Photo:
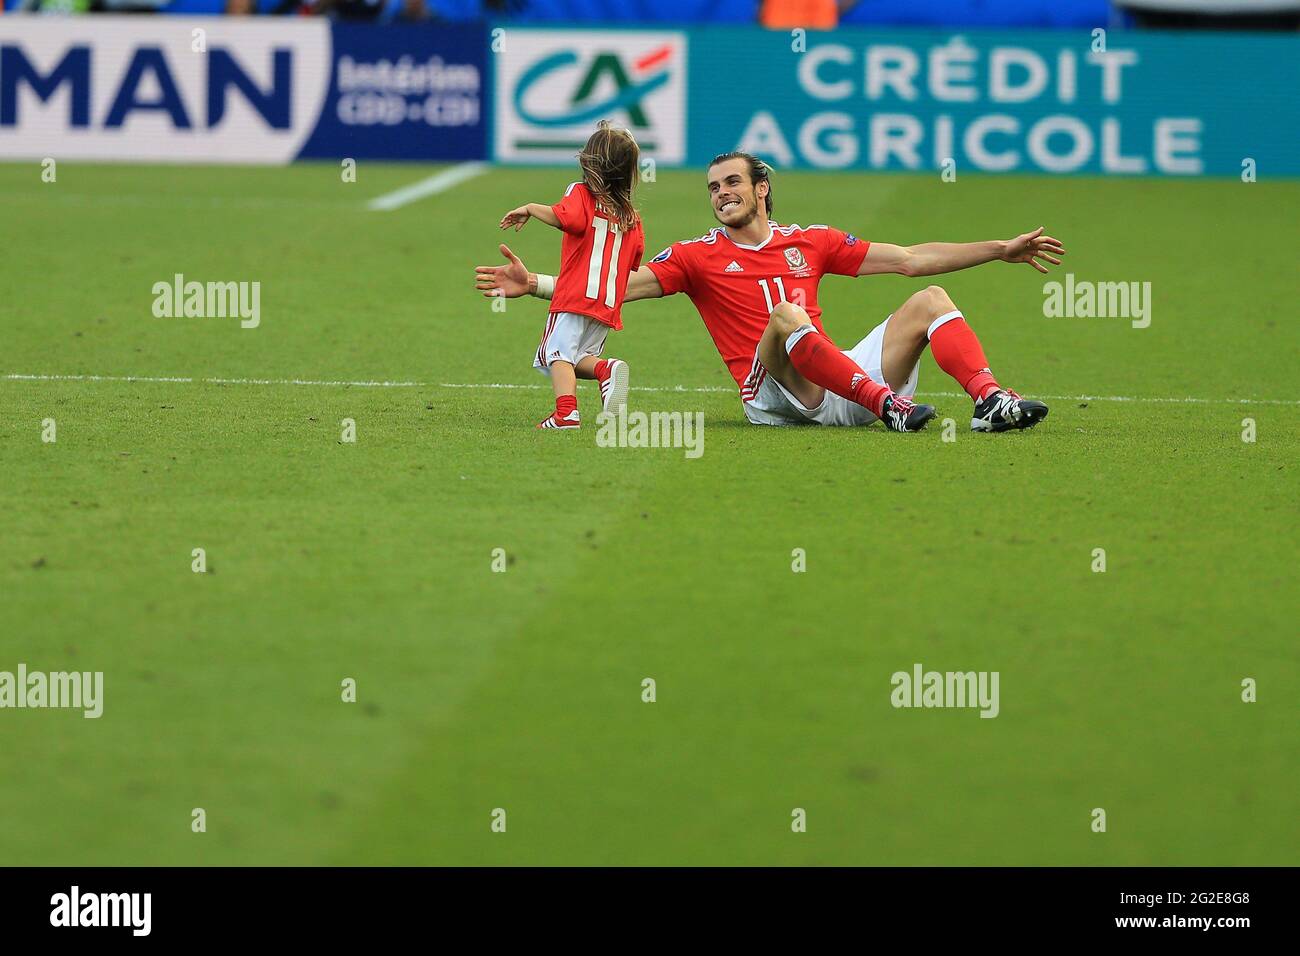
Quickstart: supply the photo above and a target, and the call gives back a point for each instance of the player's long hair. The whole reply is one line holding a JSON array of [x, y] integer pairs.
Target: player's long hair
[[609, 165], [759, 171]]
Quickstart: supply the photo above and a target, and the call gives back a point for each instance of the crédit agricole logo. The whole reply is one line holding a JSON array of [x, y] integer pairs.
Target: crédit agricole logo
[[552, 91]]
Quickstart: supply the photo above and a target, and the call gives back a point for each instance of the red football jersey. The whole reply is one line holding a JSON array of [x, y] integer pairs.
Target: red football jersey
[[596, 258], [735, 287]]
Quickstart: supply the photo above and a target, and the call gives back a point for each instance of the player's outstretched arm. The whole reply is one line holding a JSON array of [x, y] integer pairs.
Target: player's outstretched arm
[[643, 284], [936, 258], [1033, 247], [504, 281], [513, 280]]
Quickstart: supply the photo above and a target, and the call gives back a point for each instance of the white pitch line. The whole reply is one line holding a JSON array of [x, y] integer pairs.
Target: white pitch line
[[439, 182], [166, 379], [696, 389]]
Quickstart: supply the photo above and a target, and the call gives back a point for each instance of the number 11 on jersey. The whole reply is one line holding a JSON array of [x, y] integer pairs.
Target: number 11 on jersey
[[767, 294], [594, 278]]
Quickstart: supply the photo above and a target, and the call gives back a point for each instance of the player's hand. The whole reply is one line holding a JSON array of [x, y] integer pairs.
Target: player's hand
[[516, 218], [508, 281], [1032, 247]]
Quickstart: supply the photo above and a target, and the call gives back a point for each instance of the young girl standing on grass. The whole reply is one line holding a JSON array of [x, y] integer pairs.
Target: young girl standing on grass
[[602, 245]]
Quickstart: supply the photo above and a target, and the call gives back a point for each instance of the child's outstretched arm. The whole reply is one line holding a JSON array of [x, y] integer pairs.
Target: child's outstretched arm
[[535, 210]]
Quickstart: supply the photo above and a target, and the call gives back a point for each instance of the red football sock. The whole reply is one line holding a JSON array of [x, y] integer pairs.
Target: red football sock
[[816, 358], [601, 369], [959, 353], [564, 404]]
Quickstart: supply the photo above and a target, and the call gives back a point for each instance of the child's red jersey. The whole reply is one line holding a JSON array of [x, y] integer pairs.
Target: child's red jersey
[[596, 258]]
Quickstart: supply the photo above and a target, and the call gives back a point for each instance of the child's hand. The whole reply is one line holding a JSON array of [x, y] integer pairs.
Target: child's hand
[[516, 218]]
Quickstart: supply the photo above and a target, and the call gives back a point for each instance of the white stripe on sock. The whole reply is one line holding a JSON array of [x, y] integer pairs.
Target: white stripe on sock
[[793, 338], [946, 317]]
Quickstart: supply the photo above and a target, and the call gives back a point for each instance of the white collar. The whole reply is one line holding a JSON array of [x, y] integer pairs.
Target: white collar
[[740, 245]]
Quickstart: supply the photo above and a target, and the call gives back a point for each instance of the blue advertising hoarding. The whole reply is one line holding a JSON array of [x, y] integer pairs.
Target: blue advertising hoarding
[[418, 92], [1057, 102], [272, 90], [1045, 102]]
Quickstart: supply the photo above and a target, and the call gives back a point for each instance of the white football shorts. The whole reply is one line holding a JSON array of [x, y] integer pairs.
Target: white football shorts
[[569, 337], [767, 402]]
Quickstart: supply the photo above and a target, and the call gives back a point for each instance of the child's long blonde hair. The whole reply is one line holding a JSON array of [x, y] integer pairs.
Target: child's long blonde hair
[[609, 165]]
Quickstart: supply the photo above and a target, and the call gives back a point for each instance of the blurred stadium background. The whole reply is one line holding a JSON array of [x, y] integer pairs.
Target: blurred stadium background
[[822, 14]]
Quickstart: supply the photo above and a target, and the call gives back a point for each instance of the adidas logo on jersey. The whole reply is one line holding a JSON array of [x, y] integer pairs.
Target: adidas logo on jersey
[[734, 267]]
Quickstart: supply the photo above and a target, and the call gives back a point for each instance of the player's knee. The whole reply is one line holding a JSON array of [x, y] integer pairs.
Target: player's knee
[[787, 317], [933, 300], [939, 298]]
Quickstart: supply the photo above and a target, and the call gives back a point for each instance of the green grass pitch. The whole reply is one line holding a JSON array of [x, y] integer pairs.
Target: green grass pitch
[[523, 690]]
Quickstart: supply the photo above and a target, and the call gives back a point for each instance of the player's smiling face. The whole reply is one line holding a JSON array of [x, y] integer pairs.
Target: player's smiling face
[[735, 200]]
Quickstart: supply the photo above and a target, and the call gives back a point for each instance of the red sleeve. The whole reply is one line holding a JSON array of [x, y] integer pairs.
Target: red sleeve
[[672, 268], [575, 210], [640, 252], [843, 253]]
